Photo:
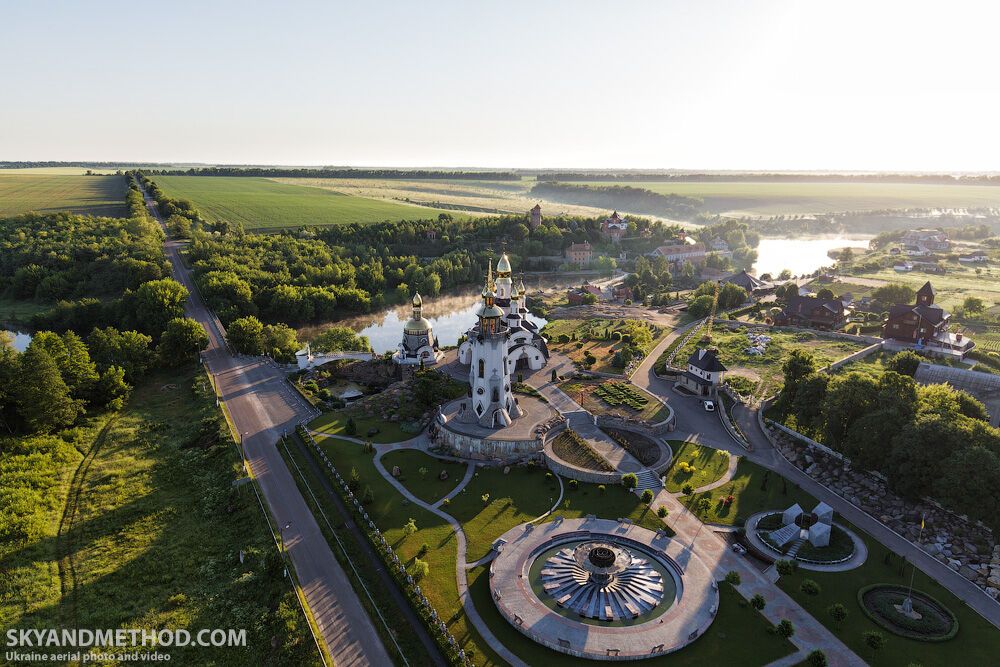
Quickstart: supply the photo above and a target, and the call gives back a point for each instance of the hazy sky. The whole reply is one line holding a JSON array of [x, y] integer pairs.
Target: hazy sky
[[699, 84]]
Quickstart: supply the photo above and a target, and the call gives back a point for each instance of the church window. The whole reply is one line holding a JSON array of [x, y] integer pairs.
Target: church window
[[479, 409], [482, 368], [496, 397], [480, 391]]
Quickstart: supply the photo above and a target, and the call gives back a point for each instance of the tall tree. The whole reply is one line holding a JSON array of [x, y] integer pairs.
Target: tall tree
[[157, 302], [181, 342], [43, 399]]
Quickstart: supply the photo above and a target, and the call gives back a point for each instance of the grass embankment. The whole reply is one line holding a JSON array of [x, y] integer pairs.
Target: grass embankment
[[335, 424], [733, 345], [737, 637], [151, 531], [425, 485], [48, 193], [390, 512], [709, 465], [261, 203], [588, 393], [977, 642]]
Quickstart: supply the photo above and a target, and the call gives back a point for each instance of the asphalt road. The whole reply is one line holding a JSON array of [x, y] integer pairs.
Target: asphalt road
[[263, 406]]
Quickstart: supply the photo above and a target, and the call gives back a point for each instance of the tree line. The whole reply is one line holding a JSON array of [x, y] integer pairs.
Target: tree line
[[768, 177], [623, 197], [335, 172], [928, 440]]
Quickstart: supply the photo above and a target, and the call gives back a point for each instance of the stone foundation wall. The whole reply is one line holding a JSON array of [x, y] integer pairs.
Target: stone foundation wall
[[965, 546], [471, 447]]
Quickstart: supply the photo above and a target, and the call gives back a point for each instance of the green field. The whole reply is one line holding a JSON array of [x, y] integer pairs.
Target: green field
[[48, 193], [131, 520], [766, 199], [261, 203], [951, 288]]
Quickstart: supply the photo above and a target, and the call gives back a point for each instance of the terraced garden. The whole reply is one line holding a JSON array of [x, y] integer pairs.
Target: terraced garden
[[618, 399]]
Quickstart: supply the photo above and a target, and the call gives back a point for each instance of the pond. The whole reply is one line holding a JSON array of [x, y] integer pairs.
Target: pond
[[801, 256], [450, 316], [20, 339]]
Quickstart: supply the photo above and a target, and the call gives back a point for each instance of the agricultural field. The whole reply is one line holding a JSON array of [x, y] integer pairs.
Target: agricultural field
[[263, 204], [767, 199], [733, 352], [474, 197], [48, 193], [989, 340]]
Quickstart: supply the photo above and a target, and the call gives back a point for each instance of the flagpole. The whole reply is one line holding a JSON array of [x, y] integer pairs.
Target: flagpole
[[908, 602]]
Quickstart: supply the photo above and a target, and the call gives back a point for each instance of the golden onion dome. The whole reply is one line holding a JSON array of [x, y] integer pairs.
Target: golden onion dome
[[416, 326], [417, 301], [503, 266]]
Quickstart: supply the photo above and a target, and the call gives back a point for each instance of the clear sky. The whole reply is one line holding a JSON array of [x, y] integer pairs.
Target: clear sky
[[696, 85]]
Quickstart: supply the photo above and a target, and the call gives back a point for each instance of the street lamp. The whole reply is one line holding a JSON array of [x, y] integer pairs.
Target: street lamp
[[281, 535]]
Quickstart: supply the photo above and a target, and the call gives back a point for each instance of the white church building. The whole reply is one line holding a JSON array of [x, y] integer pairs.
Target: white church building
[[419, 344], [526, 348]]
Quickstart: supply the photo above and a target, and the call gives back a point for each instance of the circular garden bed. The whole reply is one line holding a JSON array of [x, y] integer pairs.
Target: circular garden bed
[[936, 622], [840, 548]]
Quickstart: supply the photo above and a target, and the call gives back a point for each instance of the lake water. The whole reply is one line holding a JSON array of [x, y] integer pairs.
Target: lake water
[[800, 255], [21, 339], [450, 317]]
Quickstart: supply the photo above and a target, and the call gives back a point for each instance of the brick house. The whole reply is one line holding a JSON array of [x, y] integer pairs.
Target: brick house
[[580, 253]]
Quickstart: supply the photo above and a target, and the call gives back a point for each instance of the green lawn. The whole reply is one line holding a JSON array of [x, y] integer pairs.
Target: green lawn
[[261, 203], [738, 637], [977, 642], [148, 531], [366, 581], [425, 486], [747, 198], [733, 344], [753, 494], [390, 512], [48, 193], [334, 423], [710, 465]]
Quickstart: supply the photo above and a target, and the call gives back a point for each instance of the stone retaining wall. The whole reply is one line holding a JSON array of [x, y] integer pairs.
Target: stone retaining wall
[[966, 546]]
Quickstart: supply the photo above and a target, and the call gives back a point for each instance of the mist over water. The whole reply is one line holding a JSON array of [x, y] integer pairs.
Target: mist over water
[[800, 255]]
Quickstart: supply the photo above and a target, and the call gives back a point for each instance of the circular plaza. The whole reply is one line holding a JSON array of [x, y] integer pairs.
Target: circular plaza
[[602, 589]]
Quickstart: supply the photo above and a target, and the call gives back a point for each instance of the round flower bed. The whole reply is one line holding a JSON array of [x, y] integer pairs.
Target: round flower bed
[[840, 549], [936, 622]]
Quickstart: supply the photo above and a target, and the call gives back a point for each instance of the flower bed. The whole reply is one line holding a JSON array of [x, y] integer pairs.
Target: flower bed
[[573, 449], [621, 393], [936, 623]]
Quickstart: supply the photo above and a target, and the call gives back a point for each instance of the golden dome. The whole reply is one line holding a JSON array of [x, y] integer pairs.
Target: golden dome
[[503, 266], [417, 301]]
